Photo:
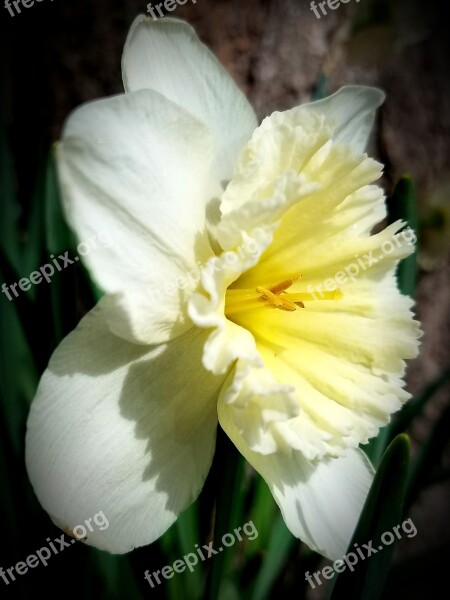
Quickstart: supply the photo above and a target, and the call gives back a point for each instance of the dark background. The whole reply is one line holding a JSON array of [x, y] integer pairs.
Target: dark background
[[56, 55]]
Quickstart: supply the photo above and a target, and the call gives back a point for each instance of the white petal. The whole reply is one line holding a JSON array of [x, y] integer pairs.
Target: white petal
[[321, 501], [314, 143], [135, 170], [227, 342], [123, 429], [352, 110], [167, 56]]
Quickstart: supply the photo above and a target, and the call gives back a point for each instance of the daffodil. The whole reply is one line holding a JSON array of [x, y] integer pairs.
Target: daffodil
[[216, 308]]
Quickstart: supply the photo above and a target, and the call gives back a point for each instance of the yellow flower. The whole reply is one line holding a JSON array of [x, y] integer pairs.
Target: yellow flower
[[218, 305]]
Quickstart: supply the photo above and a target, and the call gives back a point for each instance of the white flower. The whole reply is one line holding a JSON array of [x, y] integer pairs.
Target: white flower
[[178, 174]]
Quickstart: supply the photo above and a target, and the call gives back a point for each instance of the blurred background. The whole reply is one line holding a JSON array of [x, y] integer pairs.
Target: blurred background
[[58, 54]]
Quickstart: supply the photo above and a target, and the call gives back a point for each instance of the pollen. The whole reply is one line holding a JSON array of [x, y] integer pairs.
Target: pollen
[[275, 296]]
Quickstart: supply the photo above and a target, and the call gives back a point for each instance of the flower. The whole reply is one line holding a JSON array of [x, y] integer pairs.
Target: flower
[[180, 176]]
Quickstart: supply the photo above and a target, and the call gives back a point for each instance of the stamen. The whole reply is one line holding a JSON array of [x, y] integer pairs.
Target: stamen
[[283, 286], [276, 296], [277, 300]]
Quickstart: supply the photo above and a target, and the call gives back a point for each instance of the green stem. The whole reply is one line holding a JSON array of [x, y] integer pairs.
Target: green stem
[[228, 467]]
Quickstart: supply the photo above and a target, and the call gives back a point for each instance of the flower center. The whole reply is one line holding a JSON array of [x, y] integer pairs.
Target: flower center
[[276, 296]]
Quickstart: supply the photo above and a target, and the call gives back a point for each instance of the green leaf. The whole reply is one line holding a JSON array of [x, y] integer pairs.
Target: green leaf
[[264, 511], [280, 546], [169, 543], [377, 446], [414, 407], [187, 530], [372, 14], [381, 513], [229, 591], [229, 466], [118, 578], [321, 88], [18, 376], [58, 240], [429, 456], [9, 238], [10, 520], [34, 243], [58, 236], [403, 206]]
